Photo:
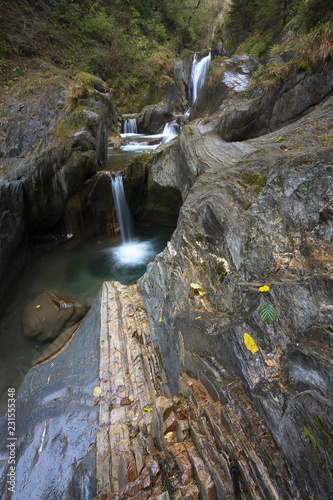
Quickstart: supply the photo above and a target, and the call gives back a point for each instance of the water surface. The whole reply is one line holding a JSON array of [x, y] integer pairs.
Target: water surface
[[76, 271]]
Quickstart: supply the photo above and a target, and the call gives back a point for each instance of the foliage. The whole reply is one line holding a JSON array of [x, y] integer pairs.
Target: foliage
[[267, 313], [258, 23], [128, 43]]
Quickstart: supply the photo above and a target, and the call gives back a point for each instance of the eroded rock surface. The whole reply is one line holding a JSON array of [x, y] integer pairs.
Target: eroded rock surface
[[255, 213], [49, 314]]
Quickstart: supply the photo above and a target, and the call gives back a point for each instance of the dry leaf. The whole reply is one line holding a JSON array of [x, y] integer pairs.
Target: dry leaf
[[181, 415], [277, 267], [269, 362], [125, 402]]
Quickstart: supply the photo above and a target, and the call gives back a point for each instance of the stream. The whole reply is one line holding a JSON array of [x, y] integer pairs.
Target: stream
[[76, 270]]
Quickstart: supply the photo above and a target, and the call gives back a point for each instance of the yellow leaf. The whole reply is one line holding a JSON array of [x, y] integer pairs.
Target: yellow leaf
[[264, 288], [37, 306], [97, 391], [148, 410], [169, 437], [250, 343], [131, 398], [198, 317], [160, 320]]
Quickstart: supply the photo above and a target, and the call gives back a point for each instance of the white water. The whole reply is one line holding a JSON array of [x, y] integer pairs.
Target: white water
[[132, 252], [122, 209], [198, 73], [171, 130], [130, 126]]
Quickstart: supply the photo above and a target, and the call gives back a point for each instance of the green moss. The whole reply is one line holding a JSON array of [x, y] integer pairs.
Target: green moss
[[190, 129], [310, 437], [303, 66], [166, 200], [255, 180], [327, 436], [184, 54], [221, 271]]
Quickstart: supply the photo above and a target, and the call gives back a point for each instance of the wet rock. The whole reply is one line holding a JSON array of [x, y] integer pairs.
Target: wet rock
[[152, 118], [49, 314], [50, 147]]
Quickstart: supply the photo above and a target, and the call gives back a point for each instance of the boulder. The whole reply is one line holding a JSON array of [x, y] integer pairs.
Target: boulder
[[49, 314]]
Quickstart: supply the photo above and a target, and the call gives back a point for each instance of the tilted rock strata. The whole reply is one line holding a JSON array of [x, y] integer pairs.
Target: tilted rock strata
[[251, 208]]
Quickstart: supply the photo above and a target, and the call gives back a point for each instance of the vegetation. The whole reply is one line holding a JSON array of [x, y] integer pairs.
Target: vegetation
[[130, 44], [258, 23]]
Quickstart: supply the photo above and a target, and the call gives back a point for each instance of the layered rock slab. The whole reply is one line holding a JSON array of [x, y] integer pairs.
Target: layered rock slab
[[255, 212]]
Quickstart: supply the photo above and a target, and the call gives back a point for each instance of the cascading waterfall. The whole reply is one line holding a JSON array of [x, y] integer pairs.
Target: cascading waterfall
[[122, 209], [198, 73], [171, 130], [130, 126], [131, 252]]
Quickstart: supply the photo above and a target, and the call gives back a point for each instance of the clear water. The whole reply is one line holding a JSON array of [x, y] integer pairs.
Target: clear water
[[76, 272]]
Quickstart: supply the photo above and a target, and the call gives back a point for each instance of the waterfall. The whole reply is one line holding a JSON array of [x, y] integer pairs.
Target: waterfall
[[198, 73], [171, 130], [130, 126], [122, 209]]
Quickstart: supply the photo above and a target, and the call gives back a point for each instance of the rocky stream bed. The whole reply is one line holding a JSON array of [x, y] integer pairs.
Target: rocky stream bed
[[157, 394]]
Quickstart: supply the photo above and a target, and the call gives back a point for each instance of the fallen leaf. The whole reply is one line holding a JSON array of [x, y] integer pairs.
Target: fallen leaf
[[201, 292], [277, 267], [37, 306], [134, 432], [198, 317], [131, 398], [277, 400], [160, 320], [264, 288], [195, 286], [169, 437], [137, 372], [97, 391], [181, 415], [250, 343], [147, 409], [149, 396], [125, 402], [269, 362]]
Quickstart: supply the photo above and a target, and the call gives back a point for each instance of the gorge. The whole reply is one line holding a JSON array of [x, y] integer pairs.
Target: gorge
[[217, 355]]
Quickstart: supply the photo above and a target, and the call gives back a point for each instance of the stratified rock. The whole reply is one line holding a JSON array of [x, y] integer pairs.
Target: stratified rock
[[49, 314]]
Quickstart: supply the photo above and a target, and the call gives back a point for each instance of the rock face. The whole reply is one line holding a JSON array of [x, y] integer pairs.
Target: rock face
[[263, 109], [57, 421], [255, 213], [49, 314], [225, 77], [49, 145]]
